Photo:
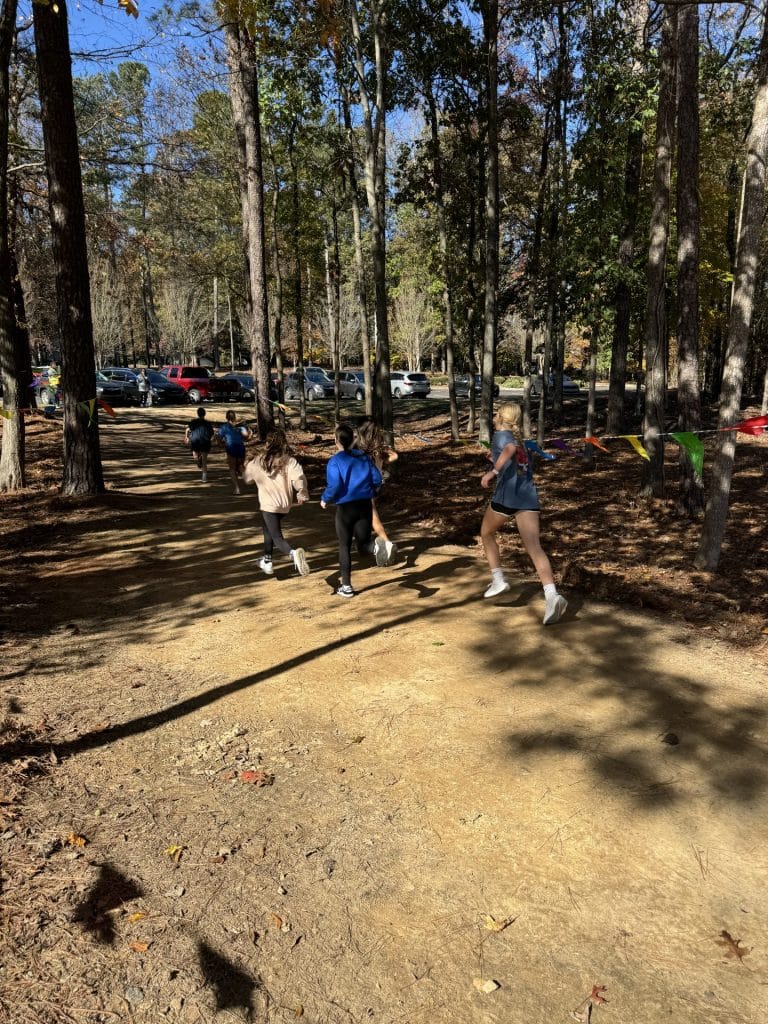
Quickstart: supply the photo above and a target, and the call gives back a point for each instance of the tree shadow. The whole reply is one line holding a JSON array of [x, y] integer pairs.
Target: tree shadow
[[110, 891], [231, 986]]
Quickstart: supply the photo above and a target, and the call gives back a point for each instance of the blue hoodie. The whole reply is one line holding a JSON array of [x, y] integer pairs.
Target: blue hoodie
[[350, 476]]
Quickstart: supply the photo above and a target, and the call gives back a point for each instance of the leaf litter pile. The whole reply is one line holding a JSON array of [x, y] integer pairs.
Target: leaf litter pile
[[604, 541]]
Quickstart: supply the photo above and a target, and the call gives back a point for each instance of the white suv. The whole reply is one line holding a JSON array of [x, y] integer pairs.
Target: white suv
[[404, 384]]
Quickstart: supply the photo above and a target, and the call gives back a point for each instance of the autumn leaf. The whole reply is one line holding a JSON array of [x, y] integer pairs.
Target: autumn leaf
[[256, 777], [497, 926], [75, 840], [138, 916], [277, 921], [139, 947], [733, 947], [595, 996], [174, 852], [486, 986]]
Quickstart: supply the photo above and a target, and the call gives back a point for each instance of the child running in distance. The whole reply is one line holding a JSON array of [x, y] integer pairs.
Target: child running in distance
[[233, 437], [352, 480], [515, 495], [370, 441], [278, 476], [198, 436]]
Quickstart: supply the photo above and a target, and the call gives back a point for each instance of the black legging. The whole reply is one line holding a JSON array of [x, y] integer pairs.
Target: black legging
[[273, 533], [353, 521]]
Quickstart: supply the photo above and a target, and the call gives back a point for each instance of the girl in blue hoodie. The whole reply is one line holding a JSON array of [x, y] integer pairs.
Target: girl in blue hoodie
[[352, 481]]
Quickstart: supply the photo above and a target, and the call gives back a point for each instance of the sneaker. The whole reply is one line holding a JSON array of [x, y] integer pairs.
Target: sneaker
[[265, 564], [391, 552], [300, 561], [554, 609], [380, 551], [498, 586], [345, 591], [204, 478]]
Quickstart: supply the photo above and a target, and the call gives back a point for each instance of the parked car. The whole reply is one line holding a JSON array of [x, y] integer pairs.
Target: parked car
[[462, 386], [247, 386], [129, 381], [352, 384], [201, 385], [404, 384], [317, 384], [110, 391], [247, 391], [570, 388]]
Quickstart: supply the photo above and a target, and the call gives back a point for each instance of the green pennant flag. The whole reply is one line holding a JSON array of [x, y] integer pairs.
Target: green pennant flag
[[695, 448]]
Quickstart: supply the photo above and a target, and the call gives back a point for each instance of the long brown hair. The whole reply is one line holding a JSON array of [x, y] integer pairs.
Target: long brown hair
[[277, 451]]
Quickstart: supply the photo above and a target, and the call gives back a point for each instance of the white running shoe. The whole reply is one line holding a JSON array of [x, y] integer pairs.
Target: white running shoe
[[391, 552], [300, 561], [380, 551], [345, 591], [554, 609], [204, 478], [265, 564], [498, 586]]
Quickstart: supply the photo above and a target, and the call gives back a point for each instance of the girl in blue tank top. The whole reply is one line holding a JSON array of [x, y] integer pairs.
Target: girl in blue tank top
[[515, 495]]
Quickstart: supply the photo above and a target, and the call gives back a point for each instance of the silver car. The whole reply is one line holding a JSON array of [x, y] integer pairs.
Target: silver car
[[570, 388], [404, 384], [317, 384], [352, 384]]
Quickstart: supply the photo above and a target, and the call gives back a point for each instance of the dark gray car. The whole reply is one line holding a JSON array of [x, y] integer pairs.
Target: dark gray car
[[352, 384], [317, 384]]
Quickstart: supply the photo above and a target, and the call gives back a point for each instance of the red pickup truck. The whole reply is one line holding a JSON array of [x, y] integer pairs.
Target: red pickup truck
[[201, 385]]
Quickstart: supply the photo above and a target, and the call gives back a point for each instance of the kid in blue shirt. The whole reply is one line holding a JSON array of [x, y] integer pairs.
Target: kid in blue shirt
[[234, 438], [352, 481]]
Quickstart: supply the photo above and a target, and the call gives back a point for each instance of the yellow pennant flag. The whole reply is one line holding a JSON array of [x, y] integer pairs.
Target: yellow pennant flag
[[6, 414], [635, 442]]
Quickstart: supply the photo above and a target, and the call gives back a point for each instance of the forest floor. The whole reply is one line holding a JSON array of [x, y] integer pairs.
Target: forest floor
[[230, 797]]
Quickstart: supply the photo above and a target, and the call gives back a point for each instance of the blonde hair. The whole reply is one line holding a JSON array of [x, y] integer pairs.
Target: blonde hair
[[511, 415]]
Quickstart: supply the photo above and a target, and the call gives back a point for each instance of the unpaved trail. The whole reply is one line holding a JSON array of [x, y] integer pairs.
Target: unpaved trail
[[437, 763]]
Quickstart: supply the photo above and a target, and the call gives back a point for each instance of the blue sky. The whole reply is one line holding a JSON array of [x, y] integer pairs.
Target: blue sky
[[102, 30]]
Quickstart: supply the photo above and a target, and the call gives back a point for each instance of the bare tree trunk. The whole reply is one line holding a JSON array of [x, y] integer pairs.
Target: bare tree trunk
[[374, 126], [277, 273], [740, 320], [442, 233], [244, 91], [490, 12], [688, 393], [12, 463], [633, 166], [361, 297], [655, 317], [82, 456]]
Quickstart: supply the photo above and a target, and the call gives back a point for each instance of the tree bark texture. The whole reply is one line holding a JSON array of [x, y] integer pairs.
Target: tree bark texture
[[740, 319], [375, 128], [633, 166], [12, 468], [688, 393], [244, 91], [82, 456], [491, 41], [655, 314]]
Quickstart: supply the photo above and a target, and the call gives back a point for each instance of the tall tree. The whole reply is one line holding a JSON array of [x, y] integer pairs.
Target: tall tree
[[688, 395], [656, 312], [16, 394], [490, 15], [82, 455], [242, 60], [751, 218]]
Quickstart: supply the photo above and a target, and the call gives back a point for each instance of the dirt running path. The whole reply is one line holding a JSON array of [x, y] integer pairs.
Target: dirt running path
[[438, 762]]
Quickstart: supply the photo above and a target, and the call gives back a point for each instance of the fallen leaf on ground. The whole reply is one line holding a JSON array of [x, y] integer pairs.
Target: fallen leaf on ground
[[138, 916], [174, 852], [733, 947], [75, 840], [493, 925], [277, 921], [485, 985], [257, 777], [140, 947]]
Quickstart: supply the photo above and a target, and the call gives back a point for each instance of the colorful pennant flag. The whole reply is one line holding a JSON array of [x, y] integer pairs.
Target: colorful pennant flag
[[558, 442], [695, 448], [590, 439], [634, 440], [533, 446], [757, 425], [106, 407], [7, 414]]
